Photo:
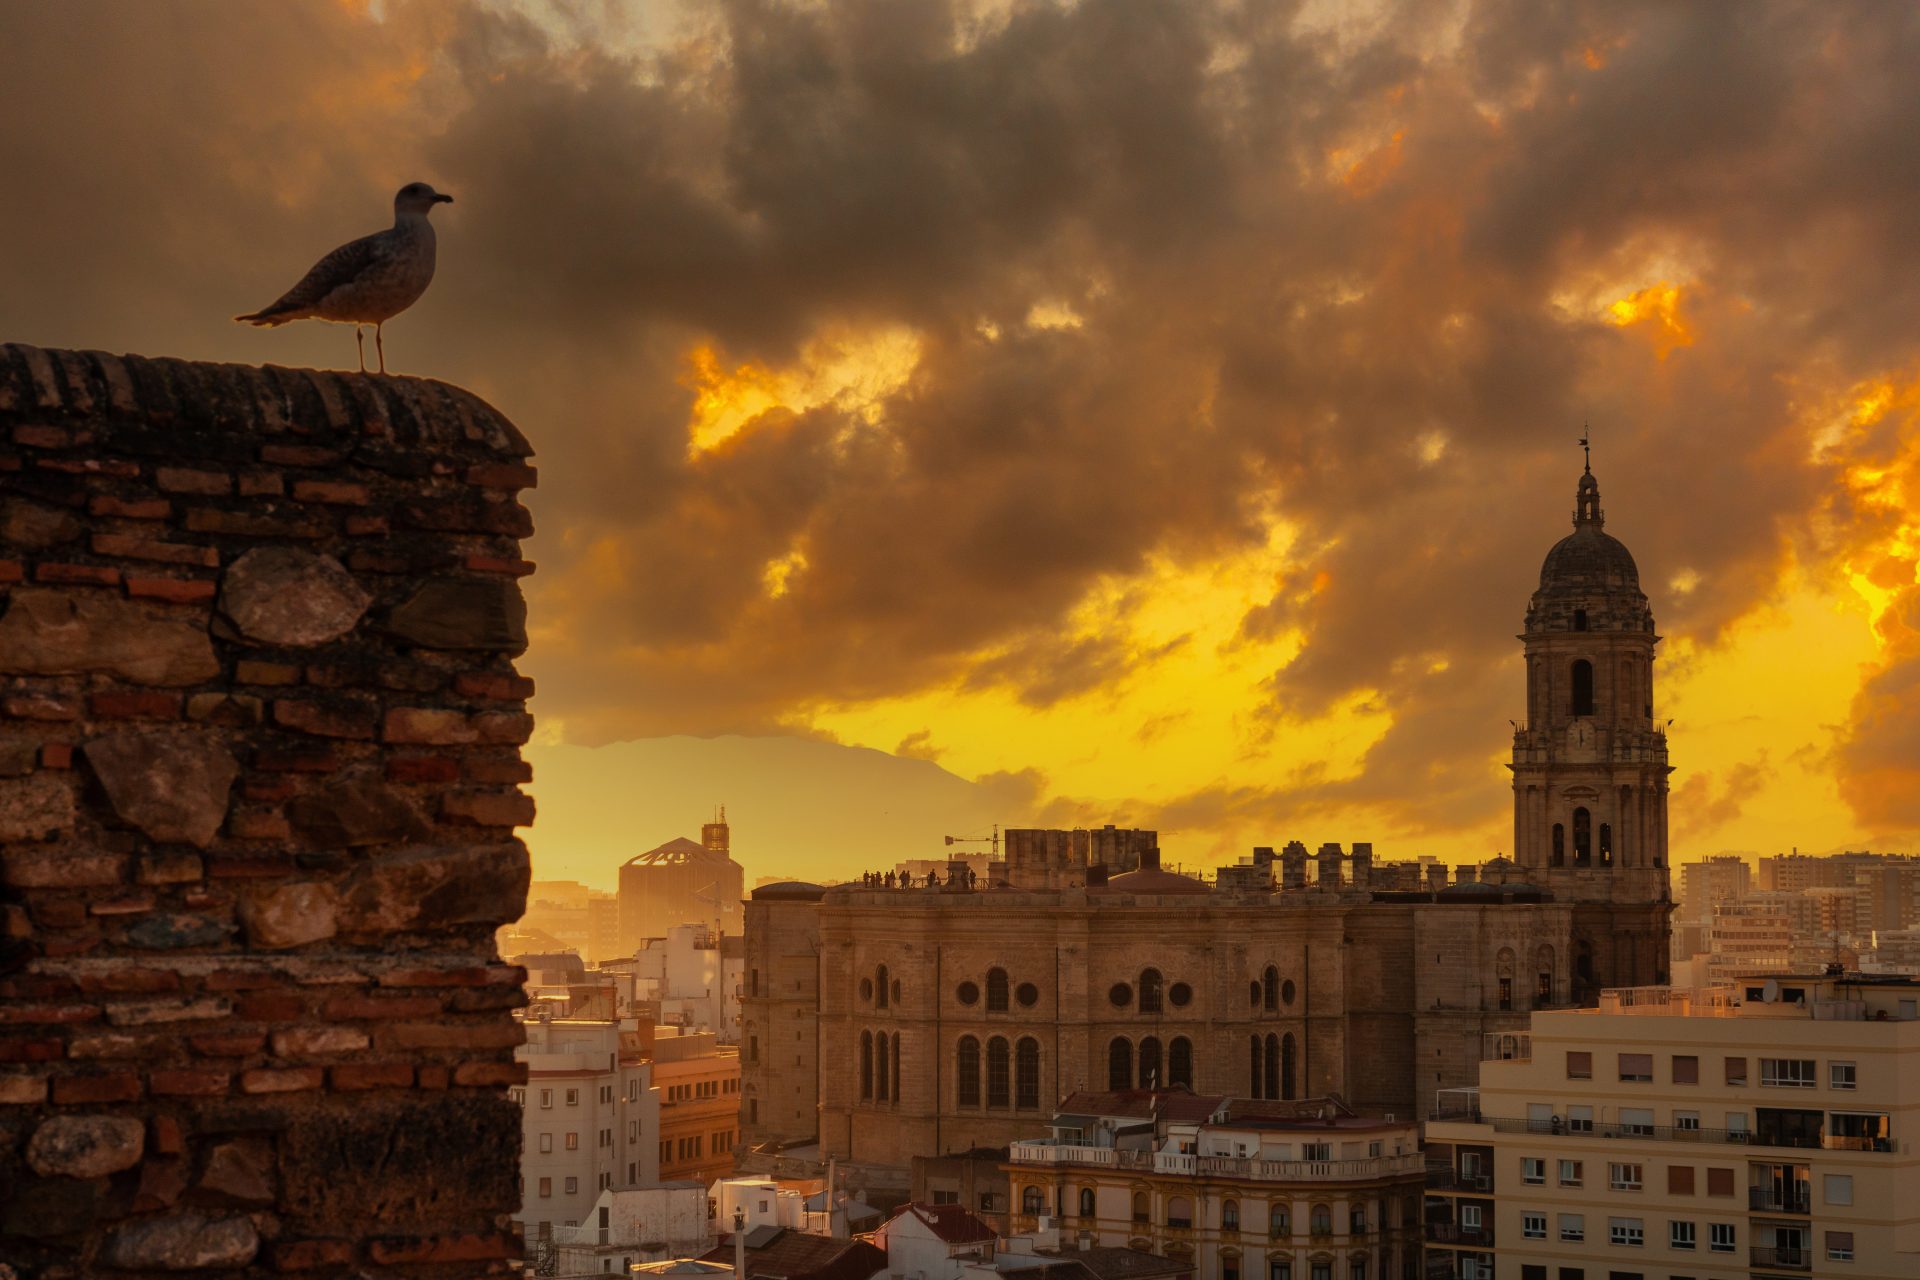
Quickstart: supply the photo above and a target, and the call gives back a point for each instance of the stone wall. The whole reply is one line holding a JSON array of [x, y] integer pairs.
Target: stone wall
[[259, 767]]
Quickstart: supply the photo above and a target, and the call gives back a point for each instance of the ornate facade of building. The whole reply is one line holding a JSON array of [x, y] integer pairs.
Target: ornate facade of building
[[957, 1015]]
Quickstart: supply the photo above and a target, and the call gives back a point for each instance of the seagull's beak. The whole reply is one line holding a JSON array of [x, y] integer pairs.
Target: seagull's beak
[[443, 199]]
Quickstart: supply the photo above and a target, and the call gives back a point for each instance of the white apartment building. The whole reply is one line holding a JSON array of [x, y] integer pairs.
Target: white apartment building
[[590, 1120], [1760, 1130]]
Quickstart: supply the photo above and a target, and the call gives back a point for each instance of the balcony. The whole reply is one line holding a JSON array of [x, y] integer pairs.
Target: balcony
[[1238, 1168], [1670, 1133], [1783, 1257], [1775, 1200], [1441, 1177], [1455, 1234]]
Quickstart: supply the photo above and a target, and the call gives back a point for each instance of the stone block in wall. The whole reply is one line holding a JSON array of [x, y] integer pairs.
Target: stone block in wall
[[259, 780]]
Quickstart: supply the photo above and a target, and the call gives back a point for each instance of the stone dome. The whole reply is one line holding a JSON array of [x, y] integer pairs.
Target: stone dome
[[1151, 878], [1589, 560]]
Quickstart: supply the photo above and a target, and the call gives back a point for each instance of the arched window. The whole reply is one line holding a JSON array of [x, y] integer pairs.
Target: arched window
[[866, 1064], [1270, 989], [1229, 1215], [1582, 838], [1279, 1221], [1150, 1077], [1559, 858], [1606, 844], [1141, 1212], [1254, 1077], [1287, 1089], [897, 1081], [1179, 1212], [1119, 1064], [880, 986], [967, 1072], [1180, 1063], [1579, 619], [1026, 1074], [1543, 978], [1503, 970], [1150, 991], [997, 1091], [1272, 1077], [1582, 688], [1320, 1220], [996, 991], [1031, 1201], [1086, 1202], [881, 1059]]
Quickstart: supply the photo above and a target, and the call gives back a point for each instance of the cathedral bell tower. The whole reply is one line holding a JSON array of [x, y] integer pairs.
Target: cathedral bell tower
[[1589, 763]]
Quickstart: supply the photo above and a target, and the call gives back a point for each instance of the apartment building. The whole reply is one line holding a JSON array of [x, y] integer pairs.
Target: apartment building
[[699, 1084], [1760, 1130], [590, 1119], [1236, 1188]]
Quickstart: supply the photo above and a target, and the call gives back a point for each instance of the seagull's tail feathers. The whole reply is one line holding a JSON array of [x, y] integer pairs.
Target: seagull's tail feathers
[[268, 316]]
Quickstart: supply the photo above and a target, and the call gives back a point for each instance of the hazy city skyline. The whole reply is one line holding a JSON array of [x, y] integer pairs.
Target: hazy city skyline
[[1149, 415]]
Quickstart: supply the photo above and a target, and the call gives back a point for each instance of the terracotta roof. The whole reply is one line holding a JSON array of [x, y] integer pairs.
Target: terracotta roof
[[953, 1223], [1115, 1263], [1177, 1105], [794, 1255]]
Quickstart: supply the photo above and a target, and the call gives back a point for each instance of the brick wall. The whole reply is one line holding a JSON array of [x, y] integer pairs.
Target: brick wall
[[259, 767]]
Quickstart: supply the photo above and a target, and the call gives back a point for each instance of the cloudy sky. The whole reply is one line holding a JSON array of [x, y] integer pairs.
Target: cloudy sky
[[1104, 412]]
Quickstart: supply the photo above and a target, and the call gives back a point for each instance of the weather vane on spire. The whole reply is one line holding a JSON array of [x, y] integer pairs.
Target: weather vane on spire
[[1586, 445]]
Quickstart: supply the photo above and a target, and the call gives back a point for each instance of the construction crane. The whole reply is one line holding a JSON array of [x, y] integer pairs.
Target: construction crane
[[992, 840]]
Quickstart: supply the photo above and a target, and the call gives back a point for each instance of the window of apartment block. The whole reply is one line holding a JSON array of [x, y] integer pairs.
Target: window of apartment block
[[573, 1186], [1628, 1232], [546, 1142], [1679, 1179], [1579, 1065], [1533, 1271], [1720, 1237], [1840, 1075], [1573, 1226], [1636, 1066], [1840, 1246], [1680, 1235], [1686, 1069], [1737, 1123], [1787, 1073], [1636, 1122], [573, 1142], [1572, 1172], [1736, 1070], [546, 1188], [1470, 1216], [1624, 1177], [1533, 1226], [1686, 1120], [1719, 1182], [546, 1097], [1533, 1170], [1838, 1188], [1573, 1273], [1579, 1119], [573, 1097]]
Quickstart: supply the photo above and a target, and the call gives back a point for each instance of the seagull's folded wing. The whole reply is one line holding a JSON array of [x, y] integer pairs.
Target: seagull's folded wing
[[341, 267]]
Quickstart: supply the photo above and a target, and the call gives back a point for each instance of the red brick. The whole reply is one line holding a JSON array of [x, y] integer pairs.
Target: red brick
[[77, 575], [183, 1083], [43, 706], [247, 525], [231, 864], [282, 1079], [261, 484], [269, 1008], [372, 1075], [166, 1138], [503, 475], [91, 467], [128, 980], [240, 980], [42, 437], [372, 562], [12, 1050], [187, 480], [20, 1090], [104, 504], [126, 904], [478, 1074], [318, 760], [367, 526], [430, 725], [45, 867], [501, 686], [120, 544], [257, 824], [60, 913], [497, 564], [466, 1248], [468, 976], [310, 1255], [171, 590], [487, 809], [112, 1086], [12, 571], [333, 491], [510, 727], [135, 706], [455, 1035], [253, 671], [62, 1014], [56, 755], [298, 455], [228, 1044], [433, 1077], [348, 1008], [423, 769], [499, 771], [269, 790], [328, 719]]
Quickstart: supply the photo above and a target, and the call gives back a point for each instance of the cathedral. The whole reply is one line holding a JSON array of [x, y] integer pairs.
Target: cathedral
[[887, 1022]]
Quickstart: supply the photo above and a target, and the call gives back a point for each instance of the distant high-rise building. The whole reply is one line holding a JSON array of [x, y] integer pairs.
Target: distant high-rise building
[[1711, 881], [681, 882]]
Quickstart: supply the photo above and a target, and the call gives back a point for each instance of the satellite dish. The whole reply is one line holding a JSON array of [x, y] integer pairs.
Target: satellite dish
[[1770, 993]]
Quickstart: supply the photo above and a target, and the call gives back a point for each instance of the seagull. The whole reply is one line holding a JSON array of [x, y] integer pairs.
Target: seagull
[[367, 281]]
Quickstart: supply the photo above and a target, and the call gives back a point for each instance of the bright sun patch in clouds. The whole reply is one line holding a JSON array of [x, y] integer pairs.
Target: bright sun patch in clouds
[[854, 372], [1657, 308]]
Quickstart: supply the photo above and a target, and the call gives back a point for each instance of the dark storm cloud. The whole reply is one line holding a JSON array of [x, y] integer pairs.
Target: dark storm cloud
[[1350, 273]]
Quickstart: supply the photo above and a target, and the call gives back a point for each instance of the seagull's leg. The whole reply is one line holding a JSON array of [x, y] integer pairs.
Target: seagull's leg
[[360, 342], [380, 346]]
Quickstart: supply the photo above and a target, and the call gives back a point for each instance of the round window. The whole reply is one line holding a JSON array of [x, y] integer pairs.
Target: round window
[[967, 993], [1027, 994], [1121, 995], [1286, 992], [866, 988], [1180, 995]]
